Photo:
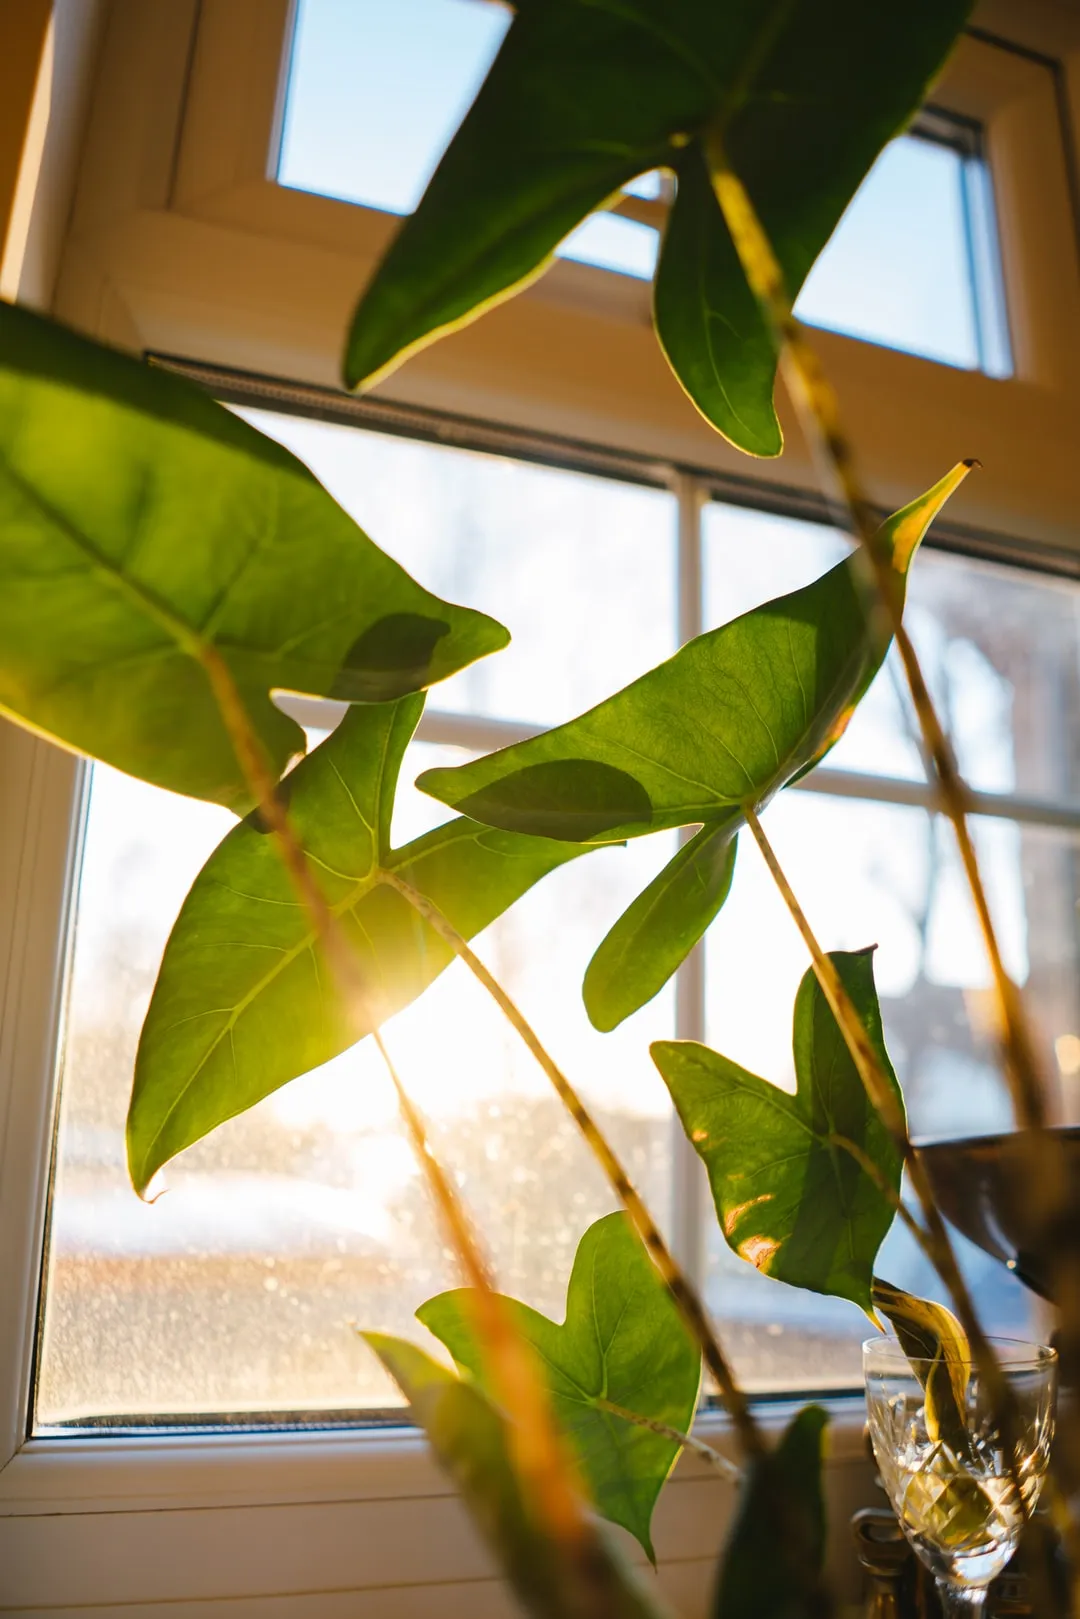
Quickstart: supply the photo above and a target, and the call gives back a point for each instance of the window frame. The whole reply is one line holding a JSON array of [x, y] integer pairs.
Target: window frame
[[179, 243]]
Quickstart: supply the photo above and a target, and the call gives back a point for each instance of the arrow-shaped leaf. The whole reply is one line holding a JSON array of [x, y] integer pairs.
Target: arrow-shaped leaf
[[142, 526], [728, 721], [772, 1563], [582, 97], [787, 1173], [469, 1438], [242, 1003], [621, 1347]]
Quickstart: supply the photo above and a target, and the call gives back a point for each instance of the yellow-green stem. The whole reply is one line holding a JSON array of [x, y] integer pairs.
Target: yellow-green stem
[[682, 1291], [666, 1431], [549, 1477], [934, 1240], [816, 399]]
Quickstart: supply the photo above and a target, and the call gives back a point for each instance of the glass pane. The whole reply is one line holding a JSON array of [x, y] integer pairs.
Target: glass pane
[[872, 872], [375, 94], [999, 646], [238, 1290], [913, 262], [581, 570]]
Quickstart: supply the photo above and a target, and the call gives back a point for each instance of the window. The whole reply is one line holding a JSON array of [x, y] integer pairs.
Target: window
[[168, 226], [307, 1215], [376, 93]]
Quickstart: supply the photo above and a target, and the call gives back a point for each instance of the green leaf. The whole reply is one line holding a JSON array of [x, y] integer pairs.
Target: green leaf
[[790, 1198], [582, 97], [776, 1548], [242, 1002], [469, 1438], [936, 1343], [708, 321], [622, 1344], [732, 718], [656, 934], [141, 523]]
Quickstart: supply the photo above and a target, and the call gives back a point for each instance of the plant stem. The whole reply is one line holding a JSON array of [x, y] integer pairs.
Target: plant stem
[[544, 1461], [688, 1442], [934, 1240], [815, 397], [548, 1475], [888, 1191], [682, 1291], [1047, 1178]]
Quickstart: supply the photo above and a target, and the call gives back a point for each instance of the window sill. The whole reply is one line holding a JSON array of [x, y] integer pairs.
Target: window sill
[[302, 1518]]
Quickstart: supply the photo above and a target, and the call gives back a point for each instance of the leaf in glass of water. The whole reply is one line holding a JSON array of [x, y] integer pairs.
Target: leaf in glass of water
[[621, 1348], [144, 529], [243, 1002], [469, 1437], [730, 720], [788, 1173], [937, 1346]]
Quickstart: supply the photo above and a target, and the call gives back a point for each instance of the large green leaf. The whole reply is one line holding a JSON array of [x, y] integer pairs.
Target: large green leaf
[[728, 721], [791, 1198], [469, 1437], [772, 1563], [585, 95], [622, 1344], [242, 1003], [141, 522]]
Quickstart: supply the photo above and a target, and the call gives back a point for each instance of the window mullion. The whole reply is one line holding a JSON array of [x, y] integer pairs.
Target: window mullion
[[688, 1177]]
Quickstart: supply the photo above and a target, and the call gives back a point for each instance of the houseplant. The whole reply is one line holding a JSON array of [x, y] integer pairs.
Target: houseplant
[[182, 666]]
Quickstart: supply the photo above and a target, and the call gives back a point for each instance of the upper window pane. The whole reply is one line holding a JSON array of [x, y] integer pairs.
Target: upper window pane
[[913, 264], [376, 92]]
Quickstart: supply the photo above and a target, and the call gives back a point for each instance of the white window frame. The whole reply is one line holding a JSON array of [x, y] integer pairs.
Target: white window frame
[[179, 243]]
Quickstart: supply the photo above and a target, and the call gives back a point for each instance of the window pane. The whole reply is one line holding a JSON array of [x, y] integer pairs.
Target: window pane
[[239, 1288], [999, 646], [581, 570], [375, 94], [872, 872], [913, 263]]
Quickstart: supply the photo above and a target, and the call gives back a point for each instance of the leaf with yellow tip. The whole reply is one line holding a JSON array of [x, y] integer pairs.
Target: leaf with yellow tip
[[731, 719]]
